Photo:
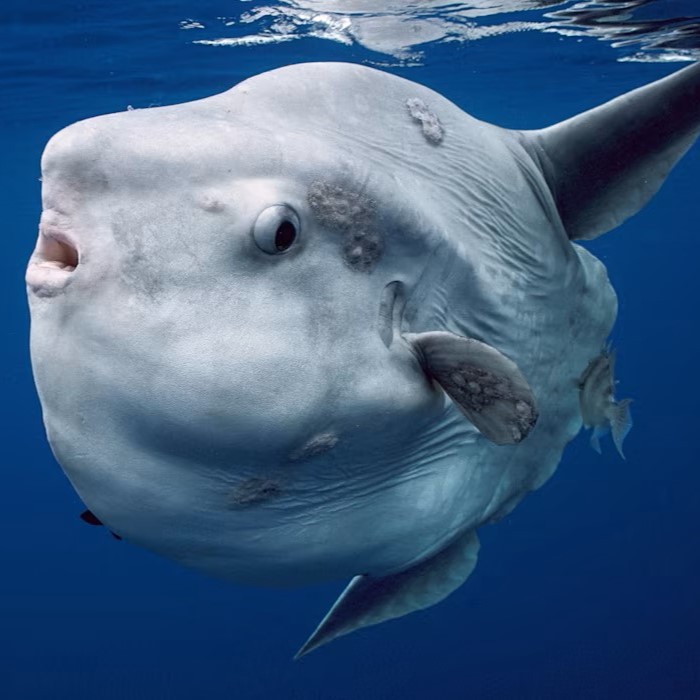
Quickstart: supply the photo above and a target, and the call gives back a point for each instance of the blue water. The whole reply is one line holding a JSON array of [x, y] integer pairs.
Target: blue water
[[590, 589]]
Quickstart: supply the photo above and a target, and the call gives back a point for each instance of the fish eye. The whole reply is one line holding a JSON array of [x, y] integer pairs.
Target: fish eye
[[276, 229]]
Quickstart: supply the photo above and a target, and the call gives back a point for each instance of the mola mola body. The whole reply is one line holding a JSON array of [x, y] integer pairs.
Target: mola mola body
[[326, 324]]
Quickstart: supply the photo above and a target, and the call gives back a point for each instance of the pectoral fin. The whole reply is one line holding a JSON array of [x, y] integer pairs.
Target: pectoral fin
[[369, 600], [487, 387]]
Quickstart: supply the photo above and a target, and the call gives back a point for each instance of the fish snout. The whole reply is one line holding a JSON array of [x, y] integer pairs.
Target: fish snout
[[73, 176]]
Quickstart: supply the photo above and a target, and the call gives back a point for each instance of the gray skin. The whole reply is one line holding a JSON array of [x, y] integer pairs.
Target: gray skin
[[269, 418]]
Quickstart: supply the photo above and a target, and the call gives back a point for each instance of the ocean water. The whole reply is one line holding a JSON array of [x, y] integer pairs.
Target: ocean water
[[589, 589]]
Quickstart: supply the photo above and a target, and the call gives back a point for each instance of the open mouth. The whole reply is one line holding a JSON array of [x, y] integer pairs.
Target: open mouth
[[53, 262]]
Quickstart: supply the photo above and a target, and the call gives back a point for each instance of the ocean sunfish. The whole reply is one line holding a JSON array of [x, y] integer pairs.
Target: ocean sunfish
[[327, 324]]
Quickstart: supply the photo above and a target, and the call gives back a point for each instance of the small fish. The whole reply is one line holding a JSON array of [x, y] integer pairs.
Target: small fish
[[599, 409]]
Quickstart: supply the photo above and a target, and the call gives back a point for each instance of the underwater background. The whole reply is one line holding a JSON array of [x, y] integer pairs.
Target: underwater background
[[589, 589]]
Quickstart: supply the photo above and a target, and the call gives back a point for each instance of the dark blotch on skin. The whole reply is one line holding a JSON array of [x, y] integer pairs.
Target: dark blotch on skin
[[477, 388], [254, 491], [362, 250], [525, 419], [337, 207], [318, 445], [354, 215]]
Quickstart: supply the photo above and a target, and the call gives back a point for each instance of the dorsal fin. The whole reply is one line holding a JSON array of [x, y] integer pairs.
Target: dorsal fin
[[605, 164]]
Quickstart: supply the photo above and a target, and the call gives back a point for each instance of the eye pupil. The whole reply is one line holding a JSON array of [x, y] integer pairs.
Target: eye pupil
[[285, 235], [276, 229]]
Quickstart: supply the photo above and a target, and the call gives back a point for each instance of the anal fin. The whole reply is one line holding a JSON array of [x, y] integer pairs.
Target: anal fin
[[369, 600]]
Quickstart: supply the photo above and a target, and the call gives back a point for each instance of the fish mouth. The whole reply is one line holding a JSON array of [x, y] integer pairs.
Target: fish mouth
[[54, 261], [391, 308]]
